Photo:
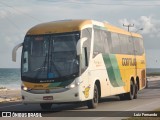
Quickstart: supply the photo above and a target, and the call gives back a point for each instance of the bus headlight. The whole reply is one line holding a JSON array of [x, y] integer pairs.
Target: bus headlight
[[70, 86], [25, 88], [73, 85]]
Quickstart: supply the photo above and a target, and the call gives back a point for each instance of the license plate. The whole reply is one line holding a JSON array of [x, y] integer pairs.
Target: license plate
[[47, 97]]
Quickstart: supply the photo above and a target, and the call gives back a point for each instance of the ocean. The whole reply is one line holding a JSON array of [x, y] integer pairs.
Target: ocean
[[155, 71], [11, 79]]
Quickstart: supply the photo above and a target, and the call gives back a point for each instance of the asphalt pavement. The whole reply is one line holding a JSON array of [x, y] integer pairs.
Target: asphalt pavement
[[148, 100]]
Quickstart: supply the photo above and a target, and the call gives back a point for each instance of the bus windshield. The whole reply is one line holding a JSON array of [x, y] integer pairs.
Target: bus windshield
[[46, 58]]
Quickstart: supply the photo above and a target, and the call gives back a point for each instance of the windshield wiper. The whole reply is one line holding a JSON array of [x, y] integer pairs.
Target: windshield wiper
[[42, 68], [52, 61]]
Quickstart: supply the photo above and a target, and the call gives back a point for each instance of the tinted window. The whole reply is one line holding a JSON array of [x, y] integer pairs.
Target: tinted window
[[115, 43], [124, 41], [87, 33], [141, 46], [138, 46], [50, 56], [39, 45], [130, 46], [105, 40], [98, 42], [109, 40]]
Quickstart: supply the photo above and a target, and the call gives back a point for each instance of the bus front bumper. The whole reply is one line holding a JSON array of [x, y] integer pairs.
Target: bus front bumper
[[70, 95]]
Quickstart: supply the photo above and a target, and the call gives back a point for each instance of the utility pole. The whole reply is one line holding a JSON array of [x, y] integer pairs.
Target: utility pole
[[138, 30], [128, 26]]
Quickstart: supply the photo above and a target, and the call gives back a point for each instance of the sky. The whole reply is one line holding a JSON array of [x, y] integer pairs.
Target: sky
[[18, 16]]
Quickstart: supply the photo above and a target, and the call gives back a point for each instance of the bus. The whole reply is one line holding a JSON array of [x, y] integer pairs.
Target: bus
[[69, 61]]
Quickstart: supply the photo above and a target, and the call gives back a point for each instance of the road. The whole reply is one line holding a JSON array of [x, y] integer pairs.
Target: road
[[148, 100]]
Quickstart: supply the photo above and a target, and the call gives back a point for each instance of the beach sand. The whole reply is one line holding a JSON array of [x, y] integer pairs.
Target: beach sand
[[153, 78], [9, 95]]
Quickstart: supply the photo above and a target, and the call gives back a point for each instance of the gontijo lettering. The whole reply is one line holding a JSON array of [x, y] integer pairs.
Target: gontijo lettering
[[128, 62]]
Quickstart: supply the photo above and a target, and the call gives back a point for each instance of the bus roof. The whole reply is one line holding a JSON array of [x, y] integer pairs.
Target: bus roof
[[119, 30], [72, 25], [58, 27]]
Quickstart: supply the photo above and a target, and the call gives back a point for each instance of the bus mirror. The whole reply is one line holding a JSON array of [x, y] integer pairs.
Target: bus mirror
[[80, 44], [14, 51]]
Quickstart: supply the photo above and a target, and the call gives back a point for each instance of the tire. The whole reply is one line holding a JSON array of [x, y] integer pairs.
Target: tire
[[136, 92], [46, 106], [122, 97], [93, 103], [130, 95]]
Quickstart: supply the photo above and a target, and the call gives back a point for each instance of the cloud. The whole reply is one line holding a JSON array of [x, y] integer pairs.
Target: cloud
[[3, 14], [21, 16], [13, 11], [150, 32], [149, 24]]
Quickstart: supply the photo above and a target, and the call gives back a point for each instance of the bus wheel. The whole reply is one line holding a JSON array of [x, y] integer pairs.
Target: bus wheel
[[46, 106], [122, 97], [93, 102], [136, 92], [130, 95]]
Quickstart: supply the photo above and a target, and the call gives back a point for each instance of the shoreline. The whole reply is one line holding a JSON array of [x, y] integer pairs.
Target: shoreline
[[10, 95], [153, 78]]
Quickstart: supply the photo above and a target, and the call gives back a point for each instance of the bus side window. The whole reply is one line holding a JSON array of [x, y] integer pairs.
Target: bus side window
[[84, 58], [137, 45], [116, 49], [85, 54], [131, 46], [87, 33], [105, 41], [98, 46], [109, 40], [141, 46], [124, 43]]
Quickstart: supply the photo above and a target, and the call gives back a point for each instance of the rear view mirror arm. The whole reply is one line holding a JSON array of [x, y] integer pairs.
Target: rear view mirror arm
[[15, 50]]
